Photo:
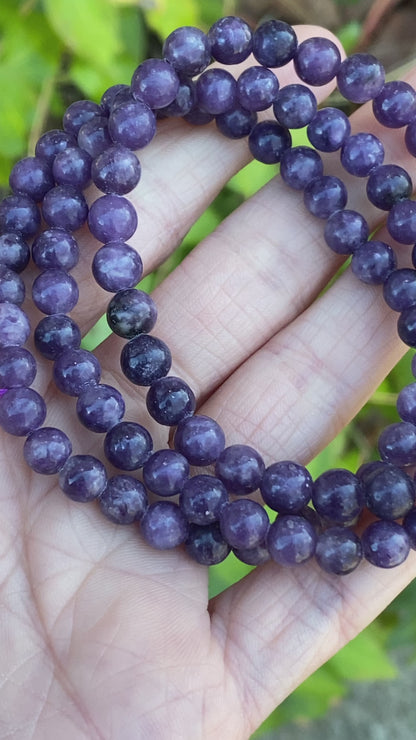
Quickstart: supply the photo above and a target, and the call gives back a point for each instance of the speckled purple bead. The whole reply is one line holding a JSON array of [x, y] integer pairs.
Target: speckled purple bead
[[112, 217], [124, 499], [230, 39], [294, 106], [324, 195], [286, 487], [338, 496], [166, 472], [55, 248], [65, 207], [197, 116], [257, 88], [409, 526], [55, 291], [155, 82], [406, 326], [397, 443], [14, 325], [395, 106], [244, 523], [274, 43], [345, 231], [128, 445], [79, 113], [94, 136], [360, 78], [401, 221], [317, 61], [252, 555], [291, 540], [200, 439], [109, 95], [299, 165], [373, 262], [387, 185], [56, 333], [202, 498], [83, 478], [328, 129], [406, 403], [31, 176], [22, 410], [116, 266], [188, 50], [52, 142], [12, 287], [385, 544], [410, 138], [164, 526], [236, 123], [20, 214], [361, 153], [117, 170], [74, 370], [72, 167], [240, 468], [169, 400], [399, 290], [46, 450], [14, 251], [132, 124], [145, 359], [216, 91], [17, 367], [131, 312], [100, 407], [389, 493], [268, 140], [206, 545], [338, 550], [183, 103]]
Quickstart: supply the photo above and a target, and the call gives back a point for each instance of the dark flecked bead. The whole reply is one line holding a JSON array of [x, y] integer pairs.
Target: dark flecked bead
[[72, 167], [406, 403], [145, 359], [183, 103], [395, 106], [257, 88], [317, 61], [22, 410], [155, 83], [200, 439], [124, 95], [291, 540], [109, 95], [20, 214], [46, 450], [338, 496], [117, 170], [31, 176], [240, 468], [94, 136], [294, 106], [389, 493], [406, 326], [397, 444], [361, 153], [14, 251], [338, 550], [52, 142], [324, 195], [164, 526], [128, 445], [124, 499], [253, 555], [188, 50], [299, 165], [244, 523], [79, 113], [197, 116], [65, 207], [112, 217], [83, 478], [216, 91], [56, 333], [410, 138], [367, 470], [116, 266], [385, 544], [166, 472], [286, 487], [328, 129], [17, 367], [230, 39], [14, 325], [55, 248], [268, 140], [100, 407], [202, 499], [169, 400], [12, 287], [74, 370], [360, 78], [401, 221], [388, 184], [345, 231], [206, 545], [236, 123], [131, 312], [55, 291], [399, 290], [409, 526], [274, 43], [373, 262], [132, 124]]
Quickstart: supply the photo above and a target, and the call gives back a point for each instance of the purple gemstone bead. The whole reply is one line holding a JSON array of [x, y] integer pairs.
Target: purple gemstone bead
[[206, 544], [72, 167], [200, 439], [14, 252], [155, 83], [132, 124], [409, 526], [401, 221], [56, 333], [17, 367], [197, 116], [286, 487], [169, 400], [74, 370], [397, 444], [112, 217], [244, 523], [124, 499], [291, 540], [236, 123], [406, 403], [338, 496], [328, 129], [79, 113], [361, 153], [268, 140], [406, 326], [188, 50], [94, 136], [400, 289], [366, 470], [100, 407], [299, 165], [55, 248], [395, 106], [109, 95], [295, 106], [385, 544], [257, 88], [388, 184], [145, 359], [31, 176], [389, 493], [55, 291], [410, 138], [373, 262], [216, 91], [230, 39], [22, 410], [117, 170], [183, 103], [240, 468], [274, 43], [253, 555], [51, 143], [345, 231], [324, 195], [116, 266], [317, 61], [65, 207], [131, 312], [12, 287], [166, 472], [46, 450], [123, 95], [202, 498], [19, 213], [128, 445], [14, 325], [164, 526], [338, 550], [360, 78], [83, 478]]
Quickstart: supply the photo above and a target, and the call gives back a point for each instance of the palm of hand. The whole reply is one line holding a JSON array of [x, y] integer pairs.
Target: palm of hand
[[104, 638]]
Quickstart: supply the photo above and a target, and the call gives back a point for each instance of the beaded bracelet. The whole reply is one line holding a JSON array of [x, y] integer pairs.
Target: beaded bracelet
[[215, 513]]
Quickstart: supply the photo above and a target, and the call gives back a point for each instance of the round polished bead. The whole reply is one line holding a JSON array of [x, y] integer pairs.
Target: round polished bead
[[338, 496], [202, 498], [244, 523], [128, 445], [55, 248], [338, 550], [406, 326], [65, 207], [230, 39], [294, 106], [397, 444], [79, 113], [31, 176], [132, 124], [124, 499], [388, 184], [109, 95], [253, 555], [72, 167], [317, 61], [410, 138], [116, 266], [361, 153], [200, 439], [83, 478], [155, 83], [257, 88], [17, 367], [299, 165], [14, 251], [324, 195], [74, 370], [389, 493], [22, 410], [124, 95], [164, 526], [46, 450], [188, 50], [112, 217], [94, 136], [55, 291], [19, 213], [145, 359], [14, 325], [52, 142], [274, 43], [409, 526], [236, 123], [100, 407], [399, 290], [56, 333], [169, 400], [166, 472], [131, 312], [401, 221], [216, 91], [286, 487], [373, 262], [117, 170], [328, 129], [12, 287], [360, 78], [385, 544], [183, 103], [268, 140], [345, 231], [291, 540], [206, 545], [240, 468], [197, 116], [395, 106], [406, 403], [367, 470]]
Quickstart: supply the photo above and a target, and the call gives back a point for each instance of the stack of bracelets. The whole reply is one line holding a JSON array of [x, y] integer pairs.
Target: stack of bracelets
[[214, 513]]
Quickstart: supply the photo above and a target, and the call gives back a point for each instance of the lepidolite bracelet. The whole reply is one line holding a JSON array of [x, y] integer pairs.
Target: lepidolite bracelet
[[215, 512]]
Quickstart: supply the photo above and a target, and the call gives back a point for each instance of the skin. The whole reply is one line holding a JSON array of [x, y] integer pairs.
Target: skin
[[102, 637]]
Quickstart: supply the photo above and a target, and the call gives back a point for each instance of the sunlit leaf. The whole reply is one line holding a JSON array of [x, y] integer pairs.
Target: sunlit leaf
[[364, 659], [163, 16]]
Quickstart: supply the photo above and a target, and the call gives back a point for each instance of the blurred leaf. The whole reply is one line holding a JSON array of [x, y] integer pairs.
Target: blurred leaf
[[364, 659], [349, 35], [163, 16], [251, 178]]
